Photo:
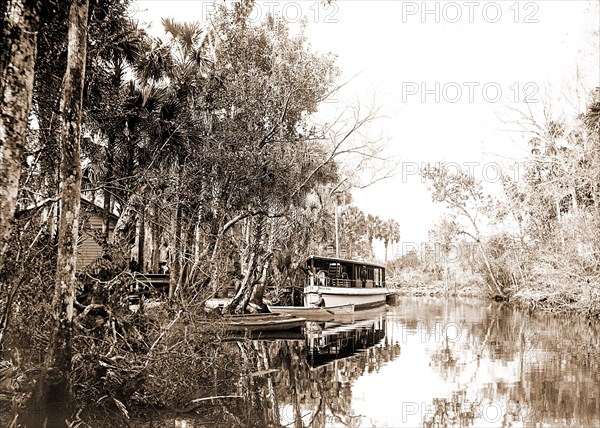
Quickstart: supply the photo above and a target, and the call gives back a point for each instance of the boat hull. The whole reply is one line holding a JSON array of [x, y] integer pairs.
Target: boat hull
[[361, 298], [314, 313], [263, 322]]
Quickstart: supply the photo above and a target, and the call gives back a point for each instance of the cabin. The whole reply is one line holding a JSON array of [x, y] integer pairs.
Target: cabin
[[91, 219], [337, 272], [90, 251], [333, 281]]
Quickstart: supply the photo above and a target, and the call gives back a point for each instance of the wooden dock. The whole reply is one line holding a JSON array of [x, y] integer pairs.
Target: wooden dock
[[146, 283]]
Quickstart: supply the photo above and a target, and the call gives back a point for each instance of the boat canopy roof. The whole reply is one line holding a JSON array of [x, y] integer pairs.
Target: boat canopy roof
[[344, 261]]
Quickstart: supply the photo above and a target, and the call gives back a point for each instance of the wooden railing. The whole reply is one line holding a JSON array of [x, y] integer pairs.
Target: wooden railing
[[145, 283], [339, 282], [347, 283]]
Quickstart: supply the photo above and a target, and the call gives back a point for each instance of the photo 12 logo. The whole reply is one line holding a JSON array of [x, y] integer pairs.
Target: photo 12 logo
[[449, 332], [470, 92], [488, 172], [470, 12], [133, 9], [490, 412], [290, 11], [491, 172], [441, 252]]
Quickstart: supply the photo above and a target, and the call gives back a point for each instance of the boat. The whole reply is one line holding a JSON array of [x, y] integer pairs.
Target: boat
[[332, 281], [314, 312], [263, 322]]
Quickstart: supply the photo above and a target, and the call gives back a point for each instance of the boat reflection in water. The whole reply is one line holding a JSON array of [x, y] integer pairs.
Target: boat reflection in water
[[331, 341], [307, 381]]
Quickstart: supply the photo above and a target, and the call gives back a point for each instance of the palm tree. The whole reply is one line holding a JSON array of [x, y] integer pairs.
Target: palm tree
[[388, 231], [373, 224], [394, 233], [159, 130], [352, 228], [108, 105], [380, 231]]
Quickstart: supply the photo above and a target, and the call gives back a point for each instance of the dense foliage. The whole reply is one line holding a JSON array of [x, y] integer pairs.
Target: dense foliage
[[202, 156], [546, 252]]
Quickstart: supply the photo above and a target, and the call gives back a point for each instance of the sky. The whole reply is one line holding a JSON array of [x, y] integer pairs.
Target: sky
[[445, 76]]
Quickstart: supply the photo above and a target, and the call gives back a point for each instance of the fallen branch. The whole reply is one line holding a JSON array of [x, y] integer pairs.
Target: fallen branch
[[158, 339], [196, 402]]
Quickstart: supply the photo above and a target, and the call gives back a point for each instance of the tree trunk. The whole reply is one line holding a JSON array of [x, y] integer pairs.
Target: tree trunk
[[196, 245], [149, 249], [107, 211], [137, 256], [498, 288], [125, 230], [337, 235], [18, 50], [184, 251], [176, 218], [215, 266], [385, 245], [51, 400], [259, 290], [242, 296], [175, 247], [251, 255]]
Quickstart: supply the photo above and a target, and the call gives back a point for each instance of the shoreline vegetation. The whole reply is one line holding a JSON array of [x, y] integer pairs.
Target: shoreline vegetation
[[561, 300], [417, 283], [200, 158]]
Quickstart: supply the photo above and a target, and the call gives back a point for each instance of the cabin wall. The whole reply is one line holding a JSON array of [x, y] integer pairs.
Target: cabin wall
[[88, 249], [344, 273], [359, 284]]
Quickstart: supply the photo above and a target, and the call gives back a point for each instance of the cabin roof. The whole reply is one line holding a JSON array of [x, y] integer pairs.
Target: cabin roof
[[339, 260], [89, 205]]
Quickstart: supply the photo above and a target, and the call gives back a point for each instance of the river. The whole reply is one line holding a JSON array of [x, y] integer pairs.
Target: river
[[426, 362]]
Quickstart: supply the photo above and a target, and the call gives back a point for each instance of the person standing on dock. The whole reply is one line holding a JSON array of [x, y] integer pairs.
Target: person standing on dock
[[163, 265]]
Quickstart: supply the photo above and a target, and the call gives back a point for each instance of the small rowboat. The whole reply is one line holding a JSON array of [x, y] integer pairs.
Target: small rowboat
[[314, 313], [263, 322]]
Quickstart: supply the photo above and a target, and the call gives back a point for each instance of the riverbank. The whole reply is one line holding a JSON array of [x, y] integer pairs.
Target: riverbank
[[417, 283], [550, 295], [564, 298], [154, 361]]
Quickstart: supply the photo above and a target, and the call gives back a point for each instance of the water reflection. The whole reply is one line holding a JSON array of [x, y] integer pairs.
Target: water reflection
[[308, 382], [492, 365], [426, 362], [333, 341]]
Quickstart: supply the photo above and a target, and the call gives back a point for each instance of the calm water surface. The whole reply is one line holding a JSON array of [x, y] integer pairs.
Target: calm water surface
[[425, 362]]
